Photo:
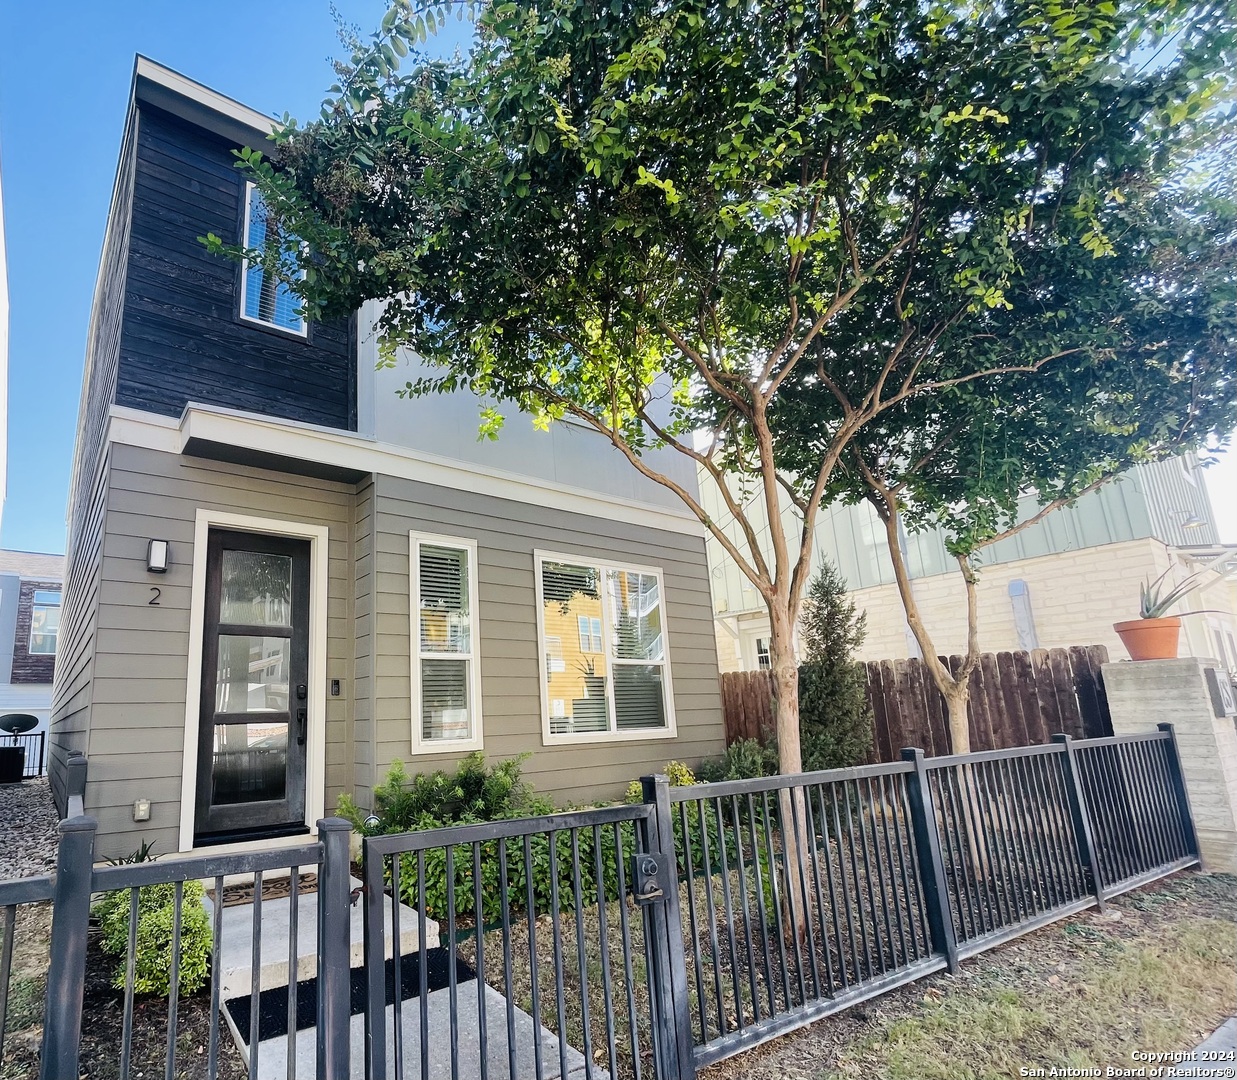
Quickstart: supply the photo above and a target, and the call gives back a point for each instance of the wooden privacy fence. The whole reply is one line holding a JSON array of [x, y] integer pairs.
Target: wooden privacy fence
[[1017, 699]]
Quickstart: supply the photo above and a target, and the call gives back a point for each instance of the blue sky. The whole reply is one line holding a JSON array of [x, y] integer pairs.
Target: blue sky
[[64, 84]]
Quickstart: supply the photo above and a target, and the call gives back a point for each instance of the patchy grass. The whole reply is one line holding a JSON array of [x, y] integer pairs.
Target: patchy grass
[[1157, 973]]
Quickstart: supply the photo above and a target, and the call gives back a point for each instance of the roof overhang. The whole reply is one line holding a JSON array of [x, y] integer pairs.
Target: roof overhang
[[1222, 558], [154, 84]]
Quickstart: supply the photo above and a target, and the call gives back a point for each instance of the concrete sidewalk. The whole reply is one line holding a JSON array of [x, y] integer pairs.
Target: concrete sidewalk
[[1222, 1041]]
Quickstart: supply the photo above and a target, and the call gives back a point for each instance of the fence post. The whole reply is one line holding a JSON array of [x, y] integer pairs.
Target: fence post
[[66, 971], [1180, 792], [334, 946], [74, 784], [931, 864], [1080, 814], [671, 1004]]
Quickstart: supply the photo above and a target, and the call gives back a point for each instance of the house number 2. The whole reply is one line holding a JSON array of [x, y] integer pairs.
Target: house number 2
[[154, 600]]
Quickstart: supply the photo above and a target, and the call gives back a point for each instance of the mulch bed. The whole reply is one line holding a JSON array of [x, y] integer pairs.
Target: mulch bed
[[1045, 959], [103, 1027]]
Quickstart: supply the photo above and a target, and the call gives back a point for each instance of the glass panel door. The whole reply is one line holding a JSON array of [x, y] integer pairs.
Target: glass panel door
[[254, 709]]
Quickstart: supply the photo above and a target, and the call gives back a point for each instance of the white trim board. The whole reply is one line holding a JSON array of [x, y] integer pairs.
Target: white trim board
[[315, 750], [159, 75], [421, 745], [308, 442]]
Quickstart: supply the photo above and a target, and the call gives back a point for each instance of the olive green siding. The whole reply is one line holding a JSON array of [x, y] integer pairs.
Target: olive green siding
[[507, 533], [132, 720], [137, 713]]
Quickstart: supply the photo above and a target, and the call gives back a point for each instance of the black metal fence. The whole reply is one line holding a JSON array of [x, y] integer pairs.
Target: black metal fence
[[644, 940], [803, 895]]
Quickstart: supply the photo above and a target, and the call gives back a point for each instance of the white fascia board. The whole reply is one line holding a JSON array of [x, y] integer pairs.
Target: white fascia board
[[197, 94], [329, 446]]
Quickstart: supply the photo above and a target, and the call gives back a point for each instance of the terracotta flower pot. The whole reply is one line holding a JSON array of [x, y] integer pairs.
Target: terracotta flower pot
[[1150, 639]]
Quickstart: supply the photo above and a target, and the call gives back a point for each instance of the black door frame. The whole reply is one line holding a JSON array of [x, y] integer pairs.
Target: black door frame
[[266, 818]]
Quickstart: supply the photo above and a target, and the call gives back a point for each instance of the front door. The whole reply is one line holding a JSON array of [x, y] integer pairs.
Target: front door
[[255, 676]]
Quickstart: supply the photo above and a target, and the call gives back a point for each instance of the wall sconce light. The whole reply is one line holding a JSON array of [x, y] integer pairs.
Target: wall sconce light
[[157, 556], [1187, 519]]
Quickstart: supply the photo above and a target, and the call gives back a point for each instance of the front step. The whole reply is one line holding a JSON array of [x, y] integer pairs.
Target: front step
[[236, 941]]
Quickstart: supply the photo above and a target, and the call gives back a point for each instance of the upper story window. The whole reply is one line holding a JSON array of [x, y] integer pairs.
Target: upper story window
[[446, 676], [265, 298], [44, 622], [606, 673]]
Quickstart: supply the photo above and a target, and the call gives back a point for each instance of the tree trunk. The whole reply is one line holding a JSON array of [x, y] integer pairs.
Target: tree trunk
[[957, 698], [955, 690], [791, 810]]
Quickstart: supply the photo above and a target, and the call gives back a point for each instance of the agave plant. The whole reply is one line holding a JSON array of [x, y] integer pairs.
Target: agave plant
[[1154, 602]]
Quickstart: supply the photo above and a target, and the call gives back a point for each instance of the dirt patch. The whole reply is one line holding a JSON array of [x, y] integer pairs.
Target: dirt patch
[[1157, 973]]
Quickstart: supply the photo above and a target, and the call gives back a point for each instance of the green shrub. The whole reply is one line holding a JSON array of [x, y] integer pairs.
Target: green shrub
[[835, 719], [473, 794], [743, 760], [677, 773], [156, 909]]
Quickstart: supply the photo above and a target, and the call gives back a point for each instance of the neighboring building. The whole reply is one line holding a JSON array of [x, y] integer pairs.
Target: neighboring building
[[254, 513], [30, 586], [4, 356], [1063, 581]]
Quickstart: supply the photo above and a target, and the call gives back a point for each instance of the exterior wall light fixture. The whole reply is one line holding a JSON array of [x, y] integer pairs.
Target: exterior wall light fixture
[[157, 556]]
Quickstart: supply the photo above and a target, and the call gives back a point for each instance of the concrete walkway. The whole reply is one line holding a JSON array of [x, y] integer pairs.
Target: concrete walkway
[[1223, 1042]]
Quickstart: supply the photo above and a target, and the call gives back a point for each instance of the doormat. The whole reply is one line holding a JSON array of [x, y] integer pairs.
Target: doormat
[[273, 1003], [272, 889]]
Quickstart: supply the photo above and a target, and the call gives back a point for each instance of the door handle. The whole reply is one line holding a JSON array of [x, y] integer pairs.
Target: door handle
[[300, 727]]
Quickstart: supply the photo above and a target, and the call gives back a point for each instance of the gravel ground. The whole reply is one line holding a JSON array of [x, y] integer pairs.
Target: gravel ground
[[28, 823]]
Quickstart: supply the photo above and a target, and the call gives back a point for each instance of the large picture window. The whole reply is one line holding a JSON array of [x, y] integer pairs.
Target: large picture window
[[605, 669], [446, 678], [44, 622], [266, 297]]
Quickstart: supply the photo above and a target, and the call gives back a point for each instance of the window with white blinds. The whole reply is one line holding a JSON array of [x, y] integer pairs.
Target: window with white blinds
[[446, 677], [267, 297], [605, 671]]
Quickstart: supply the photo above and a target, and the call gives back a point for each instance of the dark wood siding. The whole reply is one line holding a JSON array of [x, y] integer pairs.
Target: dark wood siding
[[182, 339], [31, 667]]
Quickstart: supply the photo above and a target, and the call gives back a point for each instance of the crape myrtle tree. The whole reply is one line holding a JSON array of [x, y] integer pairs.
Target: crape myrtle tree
[[653, 218], [1158, 311]]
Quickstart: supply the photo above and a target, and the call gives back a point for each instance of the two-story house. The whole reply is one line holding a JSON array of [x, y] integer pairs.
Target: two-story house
[[281, 576]]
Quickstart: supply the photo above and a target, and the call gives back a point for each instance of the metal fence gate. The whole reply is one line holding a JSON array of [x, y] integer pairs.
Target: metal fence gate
[[563, 956]]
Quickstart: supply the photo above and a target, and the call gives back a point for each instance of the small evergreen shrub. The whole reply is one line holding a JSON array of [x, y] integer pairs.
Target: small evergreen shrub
[[476, 793], [743, 760], [156, 909], [677, 773], [835, 719]]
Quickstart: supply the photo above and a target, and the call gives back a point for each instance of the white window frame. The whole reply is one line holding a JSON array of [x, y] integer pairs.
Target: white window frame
[[35, 602], [584, 626], [549, 738], [303, 332], [420, 744]]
